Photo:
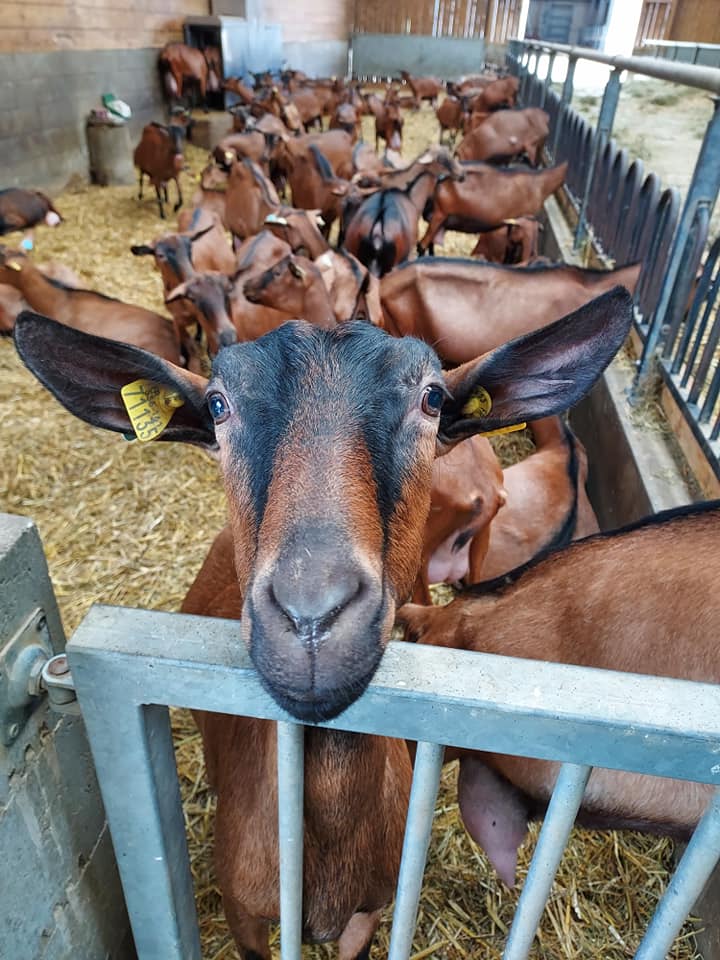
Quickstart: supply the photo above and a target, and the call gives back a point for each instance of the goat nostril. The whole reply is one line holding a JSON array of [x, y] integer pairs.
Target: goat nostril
[[312, 612]]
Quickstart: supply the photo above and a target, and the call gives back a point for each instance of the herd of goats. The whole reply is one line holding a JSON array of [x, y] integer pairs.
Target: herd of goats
[[353, 447]]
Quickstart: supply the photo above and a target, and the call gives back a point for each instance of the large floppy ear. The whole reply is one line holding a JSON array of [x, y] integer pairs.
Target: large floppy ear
[[536, 375], [86, 374]]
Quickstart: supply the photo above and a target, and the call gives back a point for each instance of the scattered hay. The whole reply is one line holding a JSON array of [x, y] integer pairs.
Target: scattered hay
[[130, 525]]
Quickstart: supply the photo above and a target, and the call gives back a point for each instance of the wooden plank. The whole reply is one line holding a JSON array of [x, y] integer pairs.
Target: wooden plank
[[693, 452]]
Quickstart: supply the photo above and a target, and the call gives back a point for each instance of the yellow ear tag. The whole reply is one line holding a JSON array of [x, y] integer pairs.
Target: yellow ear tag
[[150, 407], [479, 404], [496, 433]]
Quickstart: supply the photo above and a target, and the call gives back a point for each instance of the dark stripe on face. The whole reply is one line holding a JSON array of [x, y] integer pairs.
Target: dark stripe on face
[[352, 381]]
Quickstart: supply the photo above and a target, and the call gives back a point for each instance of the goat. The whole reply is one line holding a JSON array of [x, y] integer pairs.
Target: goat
[[326, 440], [89, 311], [507, 134], [546, 504], [159, 155], [21, 209], [179, 256], [179, 62], [515, 243], [465, 307], [383, 230], [295, 285], [486, 197], [423, 88], [611, 601]]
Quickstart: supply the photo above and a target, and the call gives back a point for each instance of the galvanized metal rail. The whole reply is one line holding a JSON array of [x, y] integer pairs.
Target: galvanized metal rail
[[629, 214], [129, 665]]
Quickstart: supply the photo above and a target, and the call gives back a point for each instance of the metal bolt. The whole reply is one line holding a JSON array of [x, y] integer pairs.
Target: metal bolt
[[13, 730], [59, 666]]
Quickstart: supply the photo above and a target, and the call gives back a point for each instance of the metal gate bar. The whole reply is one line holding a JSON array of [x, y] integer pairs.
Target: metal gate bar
[[426, 780], [128, 665], [557, 824], [291, 771], [686, 885]]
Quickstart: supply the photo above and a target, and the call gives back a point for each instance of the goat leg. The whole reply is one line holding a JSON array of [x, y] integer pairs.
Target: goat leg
[[160, 203], [179, 193], [140, 191], [250, 933], [356, 939]]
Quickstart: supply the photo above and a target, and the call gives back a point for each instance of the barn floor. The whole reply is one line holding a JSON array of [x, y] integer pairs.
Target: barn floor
[[120, 525]]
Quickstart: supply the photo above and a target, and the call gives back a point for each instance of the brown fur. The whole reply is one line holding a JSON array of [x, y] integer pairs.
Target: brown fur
[[89, 311], [157, 157], [464, 308], [515, 243], [505, 135], [486, 197]]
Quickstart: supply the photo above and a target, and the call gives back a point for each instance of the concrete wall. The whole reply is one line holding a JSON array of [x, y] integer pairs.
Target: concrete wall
[[45, 98], [60, 894], [385, 55], [56, 61]]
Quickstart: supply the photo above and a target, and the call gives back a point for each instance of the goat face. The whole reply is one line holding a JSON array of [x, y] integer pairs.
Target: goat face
[[326, 440]]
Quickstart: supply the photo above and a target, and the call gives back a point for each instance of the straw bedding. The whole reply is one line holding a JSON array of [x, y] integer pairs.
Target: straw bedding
[[125, 524]]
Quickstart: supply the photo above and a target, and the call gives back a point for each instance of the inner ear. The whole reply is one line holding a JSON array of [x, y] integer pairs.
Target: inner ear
[[86, 374]]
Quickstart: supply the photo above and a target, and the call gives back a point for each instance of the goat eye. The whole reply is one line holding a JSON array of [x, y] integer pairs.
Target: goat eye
[[219, 407], [432, 401]]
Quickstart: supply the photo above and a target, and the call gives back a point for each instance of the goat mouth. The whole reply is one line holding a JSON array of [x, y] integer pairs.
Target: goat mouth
[[319, 706]]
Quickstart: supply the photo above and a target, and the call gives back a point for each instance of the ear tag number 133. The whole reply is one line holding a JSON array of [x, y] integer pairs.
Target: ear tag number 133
[[150, 407]]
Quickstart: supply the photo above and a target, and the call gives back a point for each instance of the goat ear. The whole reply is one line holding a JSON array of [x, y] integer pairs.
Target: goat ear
[[86, 374], [142, 250], [201, 233], [536, 375]]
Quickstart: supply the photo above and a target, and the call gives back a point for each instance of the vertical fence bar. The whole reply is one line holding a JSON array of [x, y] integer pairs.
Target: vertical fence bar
[[559, 819], [426, 780], [602, 132], [691, 875], [548, 80], [290, 764], [703, 191], [565, 98], [133, 755]]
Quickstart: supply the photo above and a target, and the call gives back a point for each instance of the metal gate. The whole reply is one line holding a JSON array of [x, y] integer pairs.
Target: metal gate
[[129, 665]]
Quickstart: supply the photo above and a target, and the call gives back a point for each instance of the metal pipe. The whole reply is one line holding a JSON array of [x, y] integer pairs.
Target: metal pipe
[[603, 130], [559, 819], [703, 190], [704, 78], [426, 780], [548, 80], [565, 98], [291, 770], [692, 873]]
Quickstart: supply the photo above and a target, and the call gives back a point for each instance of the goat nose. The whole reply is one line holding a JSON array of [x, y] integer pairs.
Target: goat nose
[[227, 338], [312, 607]]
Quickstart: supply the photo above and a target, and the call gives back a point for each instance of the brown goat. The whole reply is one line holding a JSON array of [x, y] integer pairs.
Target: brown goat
[[450, 115], [314, 186], [486, 197], [179, 62], [465, 307], [236, 146], [295, 286], [210, 196], [383, 231], [12, 302], [467, 492], [326, 440], [89, 311], [516, 242], [179, 256], [423, 88], [21, 209], [159, 155], [229, 316], [546, 507], [613, 602], [249, 198], [299, 229], [507, 134]]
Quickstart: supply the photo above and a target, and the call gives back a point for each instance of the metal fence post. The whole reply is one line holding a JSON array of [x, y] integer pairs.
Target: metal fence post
[[133, 753], [548, 79], [602, 132], [703, 191], [426, 780], [565, 98], [290, 763]]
